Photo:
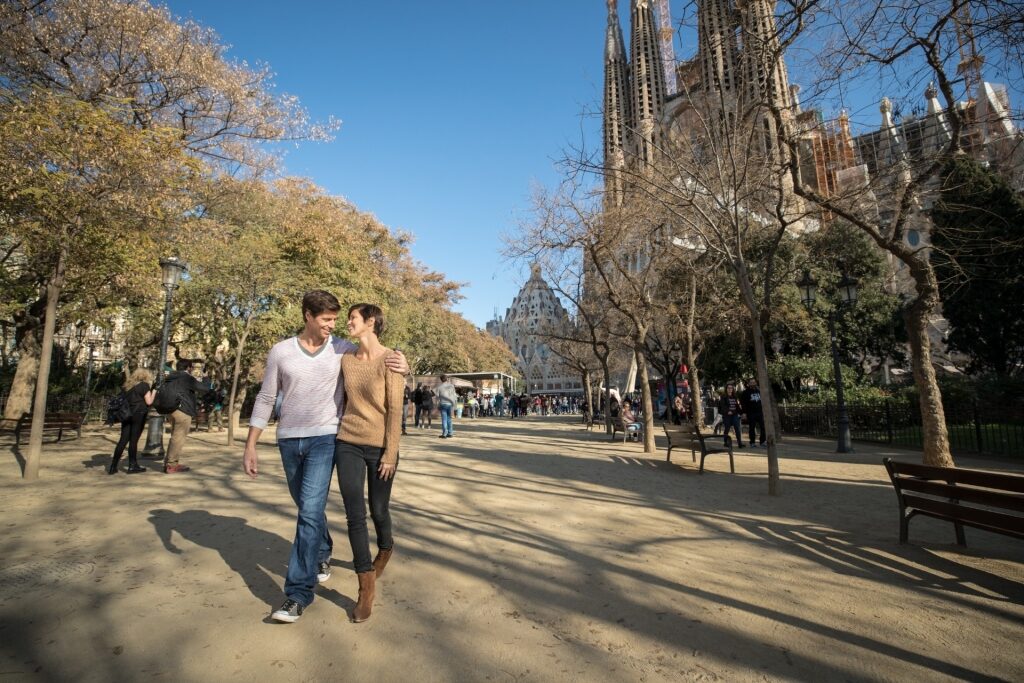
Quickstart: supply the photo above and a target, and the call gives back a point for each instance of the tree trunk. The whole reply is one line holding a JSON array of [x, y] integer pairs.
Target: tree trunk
[[645, 396], [588, 412], [232, 420], [19, 399], [35, 440], [761, 362], [607, 396], [933, 416], [696, 401]]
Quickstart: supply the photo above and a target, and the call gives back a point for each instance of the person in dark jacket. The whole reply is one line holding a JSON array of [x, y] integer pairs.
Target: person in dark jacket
[[750, 399], [186, 388], [730, 408], [138, 392]]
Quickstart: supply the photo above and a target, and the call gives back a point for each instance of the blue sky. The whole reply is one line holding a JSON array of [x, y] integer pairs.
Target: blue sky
[[451, 111]]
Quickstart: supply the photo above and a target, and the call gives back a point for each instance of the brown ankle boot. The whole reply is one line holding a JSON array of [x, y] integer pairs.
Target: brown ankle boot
[[381, 561], [367, 591]]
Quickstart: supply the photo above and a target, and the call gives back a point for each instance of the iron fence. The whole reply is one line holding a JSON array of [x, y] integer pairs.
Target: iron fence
[[93, 406], [972, 428]]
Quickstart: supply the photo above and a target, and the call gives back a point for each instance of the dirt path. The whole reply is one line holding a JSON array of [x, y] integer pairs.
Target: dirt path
[[525, 551]]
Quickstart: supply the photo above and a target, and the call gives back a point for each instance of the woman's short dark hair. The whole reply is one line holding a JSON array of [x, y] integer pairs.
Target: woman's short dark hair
[[318, 301], [367, 311]]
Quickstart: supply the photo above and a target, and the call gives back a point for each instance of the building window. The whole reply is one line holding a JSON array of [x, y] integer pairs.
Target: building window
[[913, 237]]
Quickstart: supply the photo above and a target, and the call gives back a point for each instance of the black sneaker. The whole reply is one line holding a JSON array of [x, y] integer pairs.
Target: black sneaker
[[323, 571], [288, 612]]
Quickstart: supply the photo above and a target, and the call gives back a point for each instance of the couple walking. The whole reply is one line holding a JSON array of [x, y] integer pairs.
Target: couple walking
[[341, 408]]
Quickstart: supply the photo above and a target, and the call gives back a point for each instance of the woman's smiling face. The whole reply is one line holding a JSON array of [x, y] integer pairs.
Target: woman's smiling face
[[356, 325]]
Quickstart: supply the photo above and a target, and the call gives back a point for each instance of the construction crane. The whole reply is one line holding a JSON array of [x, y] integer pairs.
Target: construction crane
[[666, 34], [970, 61]]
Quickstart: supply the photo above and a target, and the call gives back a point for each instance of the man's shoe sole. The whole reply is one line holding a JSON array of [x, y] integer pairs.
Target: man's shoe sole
[[284, 618]]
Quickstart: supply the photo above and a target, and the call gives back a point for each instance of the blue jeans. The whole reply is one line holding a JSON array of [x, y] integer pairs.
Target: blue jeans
[[308, 466], [446, 419], [732, 422]]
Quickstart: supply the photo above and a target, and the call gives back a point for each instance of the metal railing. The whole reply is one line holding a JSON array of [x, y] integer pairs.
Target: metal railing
[[972, 428], [93, 406]]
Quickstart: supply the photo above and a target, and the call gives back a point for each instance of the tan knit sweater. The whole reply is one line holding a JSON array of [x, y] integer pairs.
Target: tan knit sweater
[[373, 405]]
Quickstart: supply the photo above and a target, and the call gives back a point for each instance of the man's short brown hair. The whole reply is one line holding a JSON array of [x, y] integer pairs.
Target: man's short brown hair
[[319, 301]]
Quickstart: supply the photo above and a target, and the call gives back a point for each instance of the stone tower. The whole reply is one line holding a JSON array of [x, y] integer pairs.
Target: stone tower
[[618, 110], [717, 46], [647, 75], [534, 311]]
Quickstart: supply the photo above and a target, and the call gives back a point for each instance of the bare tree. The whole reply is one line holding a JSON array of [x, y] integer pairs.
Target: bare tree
[[903, 45]]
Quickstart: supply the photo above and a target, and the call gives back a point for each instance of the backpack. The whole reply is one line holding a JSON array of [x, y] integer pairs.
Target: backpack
[[167, 398], [118, 409]]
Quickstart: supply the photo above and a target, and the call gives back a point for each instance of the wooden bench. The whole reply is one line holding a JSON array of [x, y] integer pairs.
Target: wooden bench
[[51, 421], [688, 435], [991, 501]]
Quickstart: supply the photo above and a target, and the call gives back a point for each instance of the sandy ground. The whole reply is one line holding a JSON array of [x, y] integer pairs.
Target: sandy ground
[[525, 551]]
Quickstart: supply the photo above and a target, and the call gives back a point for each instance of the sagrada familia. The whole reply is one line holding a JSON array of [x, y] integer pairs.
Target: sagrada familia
[[649, 97]]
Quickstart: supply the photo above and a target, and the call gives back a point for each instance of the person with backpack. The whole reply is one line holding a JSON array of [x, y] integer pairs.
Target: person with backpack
[[130, 408], [176, 398]]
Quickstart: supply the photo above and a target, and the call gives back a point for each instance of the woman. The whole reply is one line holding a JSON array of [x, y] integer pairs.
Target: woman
[[630, 422], [366, 451], [139, 394], [730, 409], [679, 407]]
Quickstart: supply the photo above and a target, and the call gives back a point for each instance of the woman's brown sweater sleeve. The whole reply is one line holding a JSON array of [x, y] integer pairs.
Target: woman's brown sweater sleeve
[[394, 384]]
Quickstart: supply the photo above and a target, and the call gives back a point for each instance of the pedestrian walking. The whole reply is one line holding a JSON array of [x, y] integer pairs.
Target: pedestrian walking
[[366, 452], [750, 400], [730, 408], [138, 396], [446, 400]]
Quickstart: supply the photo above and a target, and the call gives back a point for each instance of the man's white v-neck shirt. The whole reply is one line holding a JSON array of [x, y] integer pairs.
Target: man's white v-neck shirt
[[311, 385]]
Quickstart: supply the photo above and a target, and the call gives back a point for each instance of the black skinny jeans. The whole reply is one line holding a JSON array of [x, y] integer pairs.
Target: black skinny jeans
[[755, 421], [131, 430], [356, 464]]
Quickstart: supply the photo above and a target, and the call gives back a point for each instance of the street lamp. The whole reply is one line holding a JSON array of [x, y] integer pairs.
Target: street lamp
[[171, 268], [847, 288]]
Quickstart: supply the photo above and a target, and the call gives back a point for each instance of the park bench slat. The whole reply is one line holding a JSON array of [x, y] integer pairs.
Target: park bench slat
[[1010, 501], [997, 480], [989, 519]]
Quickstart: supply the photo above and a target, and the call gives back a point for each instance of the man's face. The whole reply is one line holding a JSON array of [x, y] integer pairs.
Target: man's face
[[752, 384], [321, 325]]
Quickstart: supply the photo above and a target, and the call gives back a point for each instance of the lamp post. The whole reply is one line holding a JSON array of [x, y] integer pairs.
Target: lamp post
[[172, 268], [88, 366], [847, 289]]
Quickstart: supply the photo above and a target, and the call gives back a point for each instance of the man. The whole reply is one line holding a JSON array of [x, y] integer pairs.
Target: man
[[446, 400], [184, 387], [306, 371], [752, 407]]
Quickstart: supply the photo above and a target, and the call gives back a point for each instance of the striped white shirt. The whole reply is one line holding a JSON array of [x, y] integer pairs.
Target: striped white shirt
[[311, 385]]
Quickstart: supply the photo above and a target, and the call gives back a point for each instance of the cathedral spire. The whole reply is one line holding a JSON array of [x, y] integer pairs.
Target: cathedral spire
[[648, 77], [617, 107]]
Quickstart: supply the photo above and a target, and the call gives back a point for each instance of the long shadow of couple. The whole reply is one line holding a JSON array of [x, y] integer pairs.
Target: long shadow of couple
[[258, 556]]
